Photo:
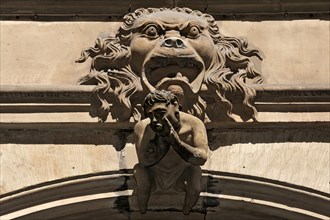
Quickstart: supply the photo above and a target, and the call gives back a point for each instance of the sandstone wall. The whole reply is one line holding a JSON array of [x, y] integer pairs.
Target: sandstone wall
[[44, 52], [296, 52]]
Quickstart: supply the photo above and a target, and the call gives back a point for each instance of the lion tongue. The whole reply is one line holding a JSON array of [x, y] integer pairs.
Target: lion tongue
[[175, 89], [178, 77]]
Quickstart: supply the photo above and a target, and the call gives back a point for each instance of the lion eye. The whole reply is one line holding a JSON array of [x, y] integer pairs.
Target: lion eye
[[151, 31], [194, 31]]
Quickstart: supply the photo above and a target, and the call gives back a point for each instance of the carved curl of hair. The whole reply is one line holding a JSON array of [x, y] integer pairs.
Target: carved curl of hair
[[115, 80], [226, 78]]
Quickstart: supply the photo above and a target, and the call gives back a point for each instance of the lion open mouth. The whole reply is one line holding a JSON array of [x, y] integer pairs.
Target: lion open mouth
[[161, 70]]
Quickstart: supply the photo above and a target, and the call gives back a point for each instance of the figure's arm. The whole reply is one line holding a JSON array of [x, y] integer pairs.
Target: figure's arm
[[196, 154], [150, 147]]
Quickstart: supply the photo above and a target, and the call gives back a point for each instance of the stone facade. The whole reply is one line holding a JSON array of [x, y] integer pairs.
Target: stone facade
[[56, 141]]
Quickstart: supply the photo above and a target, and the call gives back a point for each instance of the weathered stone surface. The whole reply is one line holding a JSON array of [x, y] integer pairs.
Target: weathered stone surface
[[304, 164], [45, 53], [295, 51], [25, 165]]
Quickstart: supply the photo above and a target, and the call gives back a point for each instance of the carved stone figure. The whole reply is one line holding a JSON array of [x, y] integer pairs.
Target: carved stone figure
[[180, 50], [171, 146]]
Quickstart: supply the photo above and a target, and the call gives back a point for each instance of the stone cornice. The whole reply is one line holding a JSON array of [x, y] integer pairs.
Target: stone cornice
[[115, 10], [118, 134], [54, 98]]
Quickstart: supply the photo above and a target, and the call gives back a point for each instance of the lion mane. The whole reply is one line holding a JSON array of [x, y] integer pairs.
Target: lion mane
[[117, 86]]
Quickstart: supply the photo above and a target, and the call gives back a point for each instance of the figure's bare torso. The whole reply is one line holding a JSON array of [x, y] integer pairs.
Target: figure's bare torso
[[167, 171], [172, 165]]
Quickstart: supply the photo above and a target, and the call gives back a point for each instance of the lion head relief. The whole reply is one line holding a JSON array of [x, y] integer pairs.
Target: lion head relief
[[177, 49]]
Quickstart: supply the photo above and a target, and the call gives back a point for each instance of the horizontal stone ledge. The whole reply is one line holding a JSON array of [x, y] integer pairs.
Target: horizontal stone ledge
[[290, 107], [45, 94], [120, 135], [229, 16], [44, 108], [115, 10], [99, 126], [85, 107], [292, 93], [76, 98]]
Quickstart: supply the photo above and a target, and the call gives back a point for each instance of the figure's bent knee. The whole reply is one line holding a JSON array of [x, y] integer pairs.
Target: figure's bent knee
[[137, 167], [142, 178], [140, 172], [193, 171]]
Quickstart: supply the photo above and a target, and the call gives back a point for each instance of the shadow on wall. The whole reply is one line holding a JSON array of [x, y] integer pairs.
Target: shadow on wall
[[297, 133], [66, 133], [218, 135]]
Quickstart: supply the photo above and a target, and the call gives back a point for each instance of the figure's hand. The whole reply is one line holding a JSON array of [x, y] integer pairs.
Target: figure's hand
[[173, 135]]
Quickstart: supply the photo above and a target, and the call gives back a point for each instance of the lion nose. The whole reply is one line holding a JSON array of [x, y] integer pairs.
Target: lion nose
[[174, 42]]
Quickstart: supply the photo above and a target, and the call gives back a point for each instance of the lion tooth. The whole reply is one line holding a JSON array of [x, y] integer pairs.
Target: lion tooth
[[178, 74]]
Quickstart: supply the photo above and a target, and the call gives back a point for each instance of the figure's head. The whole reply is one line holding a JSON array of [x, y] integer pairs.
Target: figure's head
[[180, 50], [161, 104]]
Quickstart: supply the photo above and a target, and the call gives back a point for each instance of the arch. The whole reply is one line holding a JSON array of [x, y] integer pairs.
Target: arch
[[224, 196]]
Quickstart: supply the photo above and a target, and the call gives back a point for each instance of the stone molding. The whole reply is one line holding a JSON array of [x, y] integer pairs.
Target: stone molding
[[261, 195], [114, 10], [269, 98], [118, 135]]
